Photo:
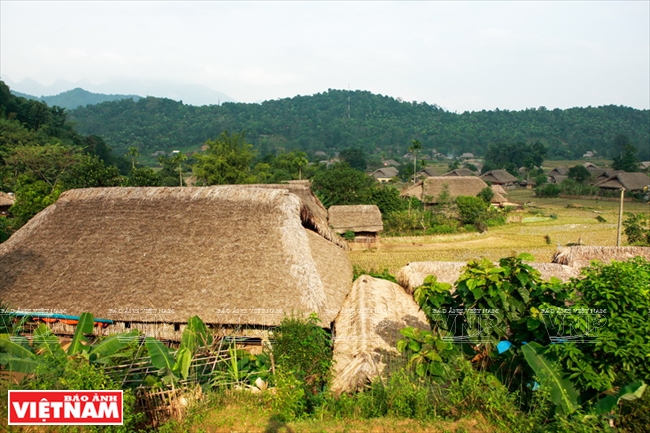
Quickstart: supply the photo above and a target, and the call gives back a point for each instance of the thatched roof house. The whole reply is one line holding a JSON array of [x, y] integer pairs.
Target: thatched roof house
[[581, 256], [429, 189], [499, 177], [460, 172], [362, 218], [413, 274], [367, 330], [385, 174], [230, 254], [6, 201], [634, 182]]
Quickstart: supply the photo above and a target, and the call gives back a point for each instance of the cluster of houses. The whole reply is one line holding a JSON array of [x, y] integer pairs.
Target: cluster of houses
[[605, 179]]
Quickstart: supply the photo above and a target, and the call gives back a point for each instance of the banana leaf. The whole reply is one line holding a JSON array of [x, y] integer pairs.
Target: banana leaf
[[562, 391]]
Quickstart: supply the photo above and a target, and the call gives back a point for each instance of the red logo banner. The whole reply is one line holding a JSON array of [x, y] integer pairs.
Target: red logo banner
[[65, 407]]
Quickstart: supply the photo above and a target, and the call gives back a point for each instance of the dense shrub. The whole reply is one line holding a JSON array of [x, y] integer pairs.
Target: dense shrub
[[548, 190]]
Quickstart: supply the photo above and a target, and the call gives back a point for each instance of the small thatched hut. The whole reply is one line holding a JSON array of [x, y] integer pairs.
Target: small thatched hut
[[6, 201], [413, 274], [147, 257], [364, 220], [429, 189], [581, 256], [367, 330]]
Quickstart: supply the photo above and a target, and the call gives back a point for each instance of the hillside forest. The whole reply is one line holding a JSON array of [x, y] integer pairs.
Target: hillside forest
[[46, 150]]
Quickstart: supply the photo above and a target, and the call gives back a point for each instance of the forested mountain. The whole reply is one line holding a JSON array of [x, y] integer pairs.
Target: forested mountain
[[339, 119], [76, 98]]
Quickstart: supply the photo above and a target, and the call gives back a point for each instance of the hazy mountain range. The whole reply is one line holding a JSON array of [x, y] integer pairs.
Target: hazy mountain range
[[192, 94]]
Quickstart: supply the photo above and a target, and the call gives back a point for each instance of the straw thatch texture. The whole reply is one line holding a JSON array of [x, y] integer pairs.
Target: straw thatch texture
[[367, 330], [430, 188], [581, 256], [313, 213], [230, 254], [6, 200], [357, 218], [413, 274]]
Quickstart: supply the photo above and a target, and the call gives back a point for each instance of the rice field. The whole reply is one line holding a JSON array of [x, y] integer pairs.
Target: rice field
[[564, 221]]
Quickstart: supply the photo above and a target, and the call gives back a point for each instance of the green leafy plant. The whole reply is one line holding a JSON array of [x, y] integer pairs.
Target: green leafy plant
[[425, 351], [562, 391], [175, 366]]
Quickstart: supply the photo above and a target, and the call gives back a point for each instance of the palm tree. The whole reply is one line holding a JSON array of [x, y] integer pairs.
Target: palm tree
[[416, 145], [133, 153], [178, 158]]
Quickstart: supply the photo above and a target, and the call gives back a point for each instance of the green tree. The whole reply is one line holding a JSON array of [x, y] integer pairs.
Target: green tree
[[143, 176], [579, 173], [178, 160], [486, 194], [472, 210], [355, 158], [626, 158], [90, 172], [133, 152], [342, 185], [226, 161]]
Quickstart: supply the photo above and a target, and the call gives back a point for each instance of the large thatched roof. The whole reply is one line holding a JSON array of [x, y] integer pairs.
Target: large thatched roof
[[627, 181], [413, 274], [367, 330], [581, 256], [229, 254], [357, 218], [430, 188]]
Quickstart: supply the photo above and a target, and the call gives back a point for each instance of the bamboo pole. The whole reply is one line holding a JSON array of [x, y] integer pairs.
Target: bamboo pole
[[620, 219]]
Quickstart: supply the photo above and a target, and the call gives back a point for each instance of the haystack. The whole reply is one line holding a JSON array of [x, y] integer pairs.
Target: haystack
[[581, 256], [232, 255], [367, 330], [413, 274]]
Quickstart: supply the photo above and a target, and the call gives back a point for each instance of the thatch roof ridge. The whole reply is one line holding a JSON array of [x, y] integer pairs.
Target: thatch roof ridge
[[367, 330], [357, 218], [313, 213], [582, 256], [249, 257], [501, 176]]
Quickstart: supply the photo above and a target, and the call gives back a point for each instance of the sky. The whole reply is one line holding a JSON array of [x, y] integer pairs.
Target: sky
[[462, 56]]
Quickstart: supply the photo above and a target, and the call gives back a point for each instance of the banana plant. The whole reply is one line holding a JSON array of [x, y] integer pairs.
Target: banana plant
[[563, 394], [171, 366]]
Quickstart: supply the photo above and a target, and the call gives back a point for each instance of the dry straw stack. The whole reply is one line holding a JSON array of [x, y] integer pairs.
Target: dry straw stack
[[367, 330], [581, 256], [413, 274]]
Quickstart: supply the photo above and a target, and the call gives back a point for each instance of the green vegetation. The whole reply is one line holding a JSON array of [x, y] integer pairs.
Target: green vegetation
[[320, 123]]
